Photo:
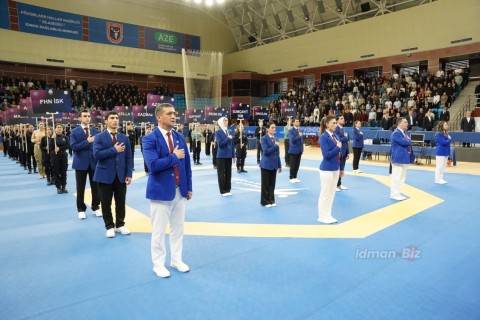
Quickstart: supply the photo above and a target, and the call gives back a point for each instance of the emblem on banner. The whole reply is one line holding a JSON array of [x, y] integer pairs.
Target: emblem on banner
[[114, 32]]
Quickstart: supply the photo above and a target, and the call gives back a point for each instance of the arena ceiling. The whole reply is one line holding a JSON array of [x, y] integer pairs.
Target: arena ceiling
[[259, 22]]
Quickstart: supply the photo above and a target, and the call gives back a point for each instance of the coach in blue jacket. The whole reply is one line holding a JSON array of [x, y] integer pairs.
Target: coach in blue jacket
[[168, 189], [401, 155], [295, 150], [345, 153], [84, 163], [270, 163], [113, 173]]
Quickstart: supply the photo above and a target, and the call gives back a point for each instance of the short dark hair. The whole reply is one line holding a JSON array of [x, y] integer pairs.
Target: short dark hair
[[110, 113], [161, 106], [269, 124], [83, 111], [400, 119]]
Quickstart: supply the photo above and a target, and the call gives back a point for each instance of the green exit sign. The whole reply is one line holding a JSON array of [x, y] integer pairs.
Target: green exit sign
[[165, 38]]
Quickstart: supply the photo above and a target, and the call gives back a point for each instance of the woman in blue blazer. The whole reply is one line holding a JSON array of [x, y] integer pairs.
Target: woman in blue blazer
[[442, 152], [357, 145], [225, 154], [269, 165], [329, 168]]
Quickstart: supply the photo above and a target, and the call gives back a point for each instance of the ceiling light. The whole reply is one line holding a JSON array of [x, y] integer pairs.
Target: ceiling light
[[197, 1], [209, 2], [220, 1]]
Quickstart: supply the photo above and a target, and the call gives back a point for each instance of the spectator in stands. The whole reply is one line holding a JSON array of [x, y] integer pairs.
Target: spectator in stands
[[445, 115], [428, 121], [467, 125]]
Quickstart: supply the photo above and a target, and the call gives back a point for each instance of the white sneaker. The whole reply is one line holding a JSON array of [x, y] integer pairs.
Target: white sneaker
[[98, 213], [293, 181], [297, 180], [180, 266], [268, 205], [338, 189], [342, 187], [274, 204], [110, 233], [229, 194], [327, 220], [162, 272], [359, 171], [82, 215], [123, 230], [398, 198], [441, 182]]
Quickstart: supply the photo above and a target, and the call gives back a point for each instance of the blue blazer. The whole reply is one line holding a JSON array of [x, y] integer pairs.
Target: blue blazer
[[330, 153], [442, 144], [111, 163], [160, 163], [225, 147], [357, 139], [296, 141], [340, 135], [400, 147], [82, 149], [271, 154]]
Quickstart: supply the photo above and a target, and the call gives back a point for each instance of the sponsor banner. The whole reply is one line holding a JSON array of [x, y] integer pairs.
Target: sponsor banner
[[212, 114], [153, 100], [125, 114], [112, 32], [239, 111], [180, 117], [194, 115], [47, 22], [260, 113], [74, 121], [140, 114], [288, 109], [4, 15], [50, 101], [169, 41]]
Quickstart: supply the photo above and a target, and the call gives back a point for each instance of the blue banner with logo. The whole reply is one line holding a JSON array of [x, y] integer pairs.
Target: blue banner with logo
[[4, 16], [49, 22], [111, 32]]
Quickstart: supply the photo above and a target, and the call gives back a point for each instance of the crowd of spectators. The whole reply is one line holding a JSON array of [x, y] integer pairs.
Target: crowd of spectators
[[375, 101], [103, 97]]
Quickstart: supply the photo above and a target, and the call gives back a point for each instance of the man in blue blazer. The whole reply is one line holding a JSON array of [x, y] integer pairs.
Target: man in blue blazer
[[225, 154], [345, 153], [295, 150], [113, 173], [169, 187], [401, 155], [81, 142]]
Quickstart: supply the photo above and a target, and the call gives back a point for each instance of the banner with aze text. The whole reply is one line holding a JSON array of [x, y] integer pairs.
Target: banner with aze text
[[50, 101], [212, 114], [239, 110], [141, 114], [288, 109], [260, 113], [125, 114]]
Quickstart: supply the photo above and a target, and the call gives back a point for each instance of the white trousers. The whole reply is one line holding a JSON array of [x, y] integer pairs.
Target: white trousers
[[328, 188], [440, 165], [162, 213], [399, 173]]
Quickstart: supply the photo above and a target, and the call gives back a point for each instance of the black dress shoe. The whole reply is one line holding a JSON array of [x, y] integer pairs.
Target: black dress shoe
[[199, 163], [59, 191], [64, 190], [29, 171], [242, 170], [238, 170], [35, 171]]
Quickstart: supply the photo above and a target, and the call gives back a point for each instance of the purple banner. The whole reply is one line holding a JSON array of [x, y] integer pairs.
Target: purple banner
[[141, 114], [212, 114], [194, 115], [50, 101], [124, 114], [239, 111], [154, 100], [260, 113], [288, 109]]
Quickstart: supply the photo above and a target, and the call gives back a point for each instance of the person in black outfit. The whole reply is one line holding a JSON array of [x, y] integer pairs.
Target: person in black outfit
[[214, 149], [45, 147], [30, 153], [467, 125], [208, 134], [259, 133], [5, 138], [132, 137], [240, 141], [59, 144]]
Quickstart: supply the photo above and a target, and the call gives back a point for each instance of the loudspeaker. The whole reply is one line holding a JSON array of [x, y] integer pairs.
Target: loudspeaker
[[252, 39], [365, 7]]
